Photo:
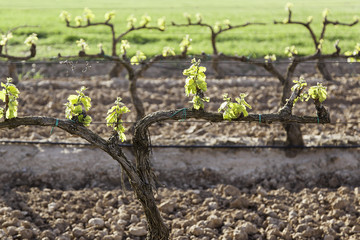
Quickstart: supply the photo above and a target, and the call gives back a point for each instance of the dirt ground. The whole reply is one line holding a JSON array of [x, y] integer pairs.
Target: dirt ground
[[220, 212], [265, 210]]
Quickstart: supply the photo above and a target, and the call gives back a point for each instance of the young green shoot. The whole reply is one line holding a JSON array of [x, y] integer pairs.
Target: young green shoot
[[299, 86], [138, 58], [355, 52], [185, 44], [317, 92], [114, 118], [291, 51], [9, 95], [31, 39], [233, 110], [77, 106], [196, 84], [81, 43], [168, 51], [270, 58]]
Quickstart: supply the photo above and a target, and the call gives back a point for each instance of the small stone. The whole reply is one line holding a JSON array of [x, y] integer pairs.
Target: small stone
[[167, 206], [214, 221], [240, 234], [134, 219], [5, 210], [261, 191], [356, 191], [52, 206], [118, 235], [17, 214], [273, 232], [13, 222], [26, 233], [121, 223], [11, 230], [61, 224], [340, 203], [249, 228], [230, 190], [138, 231], [108, 237], [78, 232], [63, 237], [355, 229], [96, 222], [240, 202], [47, 234], [301, 227], [329, 237], [213, 205], [26, 224], [196, 230], [343, 190], [292, 214]]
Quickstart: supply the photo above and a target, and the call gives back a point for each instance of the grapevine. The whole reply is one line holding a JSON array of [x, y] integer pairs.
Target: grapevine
[[77, 106], [317, 40], [114, 116]]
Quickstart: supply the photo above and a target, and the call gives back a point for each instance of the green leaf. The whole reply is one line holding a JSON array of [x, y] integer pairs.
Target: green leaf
[[13, 90], [114, 118], [87, 120], [318, 92], [2, 95], [223, 106], [190, 86], [145, 19], [122, 136], [185, 43], [124, 109], [197, 103], [73, 99], [134, 60], [86, 102], [233, 110], [161, 23], [111, 118], [112, 109], [131, 20], [77, 109]]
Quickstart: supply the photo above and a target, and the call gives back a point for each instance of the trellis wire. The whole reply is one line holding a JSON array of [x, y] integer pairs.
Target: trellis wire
[[187, 146]]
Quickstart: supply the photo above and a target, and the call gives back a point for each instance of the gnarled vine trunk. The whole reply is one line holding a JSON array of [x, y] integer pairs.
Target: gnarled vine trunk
[[138, 104], [322, 67], [294, 135], [215, 66], [12, 72]]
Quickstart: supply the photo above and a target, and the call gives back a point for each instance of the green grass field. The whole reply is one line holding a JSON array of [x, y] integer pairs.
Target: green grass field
[[257, 41]]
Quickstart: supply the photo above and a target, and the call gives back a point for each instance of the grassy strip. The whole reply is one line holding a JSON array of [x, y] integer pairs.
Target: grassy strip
[[254, 41]]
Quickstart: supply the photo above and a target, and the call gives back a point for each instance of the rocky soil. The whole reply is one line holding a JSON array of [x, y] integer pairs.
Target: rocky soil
[[218, 212]]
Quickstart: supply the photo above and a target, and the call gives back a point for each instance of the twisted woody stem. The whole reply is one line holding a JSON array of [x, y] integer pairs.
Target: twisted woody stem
[[317, 41]]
